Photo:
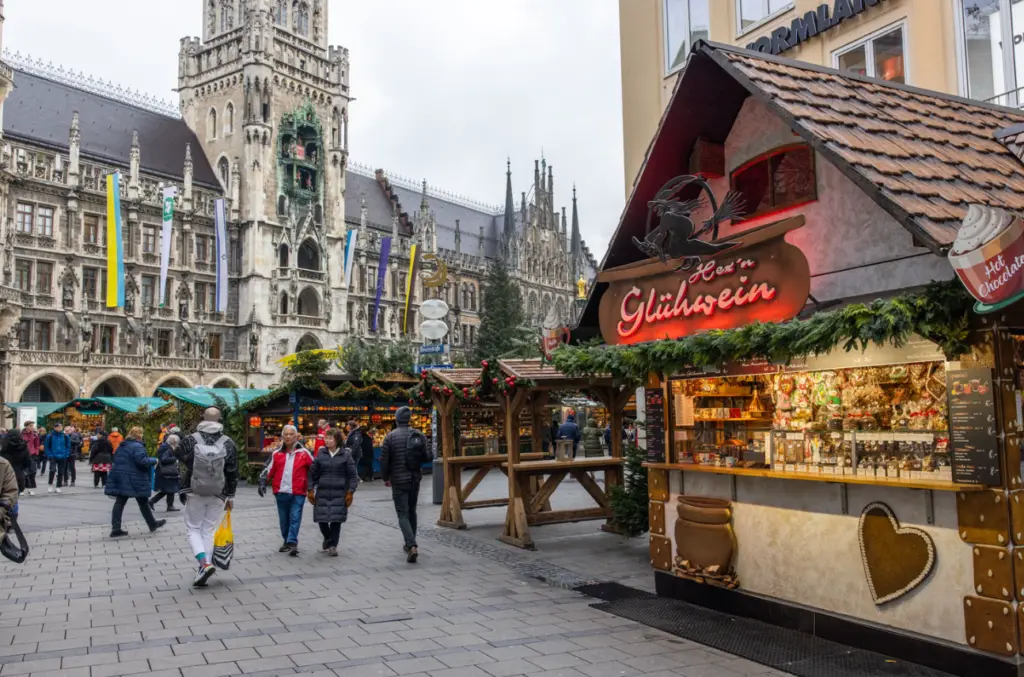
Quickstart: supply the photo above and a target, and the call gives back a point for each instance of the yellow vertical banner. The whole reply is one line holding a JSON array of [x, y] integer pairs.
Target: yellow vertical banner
[[115, 254], [408, 287]]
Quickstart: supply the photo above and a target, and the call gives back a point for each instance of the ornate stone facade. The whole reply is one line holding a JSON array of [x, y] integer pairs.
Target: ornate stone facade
[[264, 104]]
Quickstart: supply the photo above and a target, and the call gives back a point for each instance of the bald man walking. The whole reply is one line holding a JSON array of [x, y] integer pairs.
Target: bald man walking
[[211, 476]]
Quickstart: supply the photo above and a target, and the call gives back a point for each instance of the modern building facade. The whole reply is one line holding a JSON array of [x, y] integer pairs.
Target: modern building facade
[[971, 48], [262, 121]]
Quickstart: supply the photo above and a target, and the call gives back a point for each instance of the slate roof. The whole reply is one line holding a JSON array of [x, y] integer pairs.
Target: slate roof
[[446, 213], [39, 110], [929, 154]]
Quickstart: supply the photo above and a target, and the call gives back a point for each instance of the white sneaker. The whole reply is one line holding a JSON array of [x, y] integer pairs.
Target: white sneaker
[[49, 490], [205, 572], [59, 491], [31, 492]]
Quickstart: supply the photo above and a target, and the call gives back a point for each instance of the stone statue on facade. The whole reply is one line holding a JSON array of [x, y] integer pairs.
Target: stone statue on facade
[[254, 349], [86, 330], [147, 337], [201, 336], [9, 256]]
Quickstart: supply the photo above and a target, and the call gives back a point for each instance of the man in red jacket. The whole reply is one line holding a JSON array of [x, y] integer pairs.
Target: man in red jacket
[[288, 476]]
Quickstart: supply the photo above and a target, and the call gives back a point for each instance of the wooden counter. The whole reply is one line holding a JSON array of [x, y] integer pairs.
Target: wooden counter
[[546, 467], [489, 459], [930, 485]]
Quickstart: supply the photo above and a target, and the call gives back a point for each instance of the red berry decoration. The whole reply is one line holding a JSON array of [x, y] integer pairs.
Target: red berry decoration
[[494, 381], [483, 364]]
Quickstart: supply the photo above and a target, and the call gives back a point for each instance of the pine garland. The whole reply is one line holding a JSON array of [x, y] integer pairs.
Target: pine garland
[[491, 382], [939, 313]]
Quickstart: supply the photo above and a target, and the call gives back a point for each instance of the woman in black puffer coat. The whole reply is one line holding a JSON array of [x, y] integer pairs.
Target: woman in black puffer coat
[[332, 481]]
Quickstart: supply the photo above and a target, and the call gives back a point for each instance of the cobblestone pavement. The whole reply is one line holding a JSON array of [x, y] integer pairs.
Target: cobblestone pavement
[[87, 606]]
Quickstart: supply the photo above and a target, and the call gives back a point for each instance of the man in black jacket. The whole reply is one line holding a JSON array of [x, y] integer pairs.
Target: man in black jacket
[[204, 510], [400, 464]]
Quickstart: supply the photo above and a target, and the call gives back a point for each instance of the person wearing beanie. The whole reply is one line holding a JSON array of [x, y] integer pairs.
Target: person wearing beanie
[[404, 452]]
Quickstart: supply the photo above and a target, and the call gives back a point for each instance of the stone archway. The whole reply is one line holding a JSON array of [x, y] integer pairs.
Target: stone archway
[[171, 382], [115, 386], [48, 387], [226, 382], [308, 342]]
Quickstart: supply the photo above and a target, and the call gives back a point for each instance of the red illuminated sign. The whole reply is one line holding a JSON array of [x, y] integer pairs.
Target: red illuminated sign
[[762, 279]]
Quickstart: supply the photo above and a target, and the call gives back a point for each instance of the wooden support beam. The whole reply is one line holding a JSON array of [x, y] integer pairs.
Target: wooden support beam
[[568, 516], [475, 481], [484, 503], [538, 500], [588, 483]]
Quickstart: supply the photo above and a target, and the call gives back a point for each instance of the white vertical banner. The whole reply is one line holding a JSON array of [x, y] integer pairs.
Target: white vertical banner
[[166, 237], [350, 256], [222, 255]]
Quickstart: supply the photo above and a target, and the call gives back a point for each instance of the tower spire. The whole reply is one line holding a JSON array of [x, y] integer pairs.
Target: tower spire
[[510, 209], [577, 241]]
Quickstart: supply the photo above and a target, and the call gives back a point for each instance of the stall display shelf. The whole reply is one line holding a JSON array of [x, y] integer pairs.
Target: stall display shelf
[[727, 420], [816, 477]]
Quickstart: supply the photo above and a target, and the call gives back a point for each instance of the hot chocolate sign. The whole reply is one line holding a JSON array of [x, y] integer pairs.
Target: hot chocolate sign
[[760, 278], [988, 257]]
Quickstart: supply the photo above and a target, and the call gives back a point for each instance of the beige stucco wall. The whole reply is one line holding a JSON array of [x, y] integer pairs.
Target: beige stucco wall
[[931, 58]]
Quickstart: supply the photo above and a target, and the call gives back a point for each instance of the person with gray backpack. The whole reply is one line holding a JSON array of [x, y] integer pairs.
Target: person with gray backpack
[[211, 475]]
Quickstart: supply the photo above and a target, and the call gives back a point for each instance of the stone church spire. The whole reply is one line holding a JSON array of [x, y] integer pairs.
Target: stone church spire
[[576, 247], [510, 210]]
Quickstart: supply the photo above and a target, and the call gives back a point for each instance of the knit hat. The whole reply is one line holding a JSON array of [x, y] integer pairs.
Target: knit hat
[[403, 416]]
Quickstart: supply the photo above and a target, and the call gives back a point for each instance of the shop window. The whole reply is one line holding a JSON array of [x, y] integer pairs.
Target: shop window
[[778, 180], [163, 342], [44, 332], [23, 275], [751, 12], [44, 277], [23, 217], [880, 56], [686, 22]]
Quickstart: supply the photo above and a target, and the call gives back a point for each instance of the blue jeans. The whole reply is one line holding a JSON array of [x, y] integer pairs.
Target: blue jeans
[[289, 512]]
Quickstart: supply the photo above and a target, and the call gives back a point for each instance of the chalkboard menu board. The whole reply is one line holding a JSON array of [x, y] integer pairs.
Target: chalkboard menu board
[[655, 431], [972, 427]]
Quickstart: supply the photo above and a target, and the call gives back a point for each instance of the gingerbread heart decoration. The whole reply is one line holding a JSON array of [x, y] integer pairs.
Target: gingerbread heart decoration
[[896, 559]]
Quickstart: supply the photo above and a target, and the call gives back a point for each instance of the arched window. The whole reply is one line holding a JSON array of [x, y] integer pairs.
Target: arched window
[[335, 128], [308, 304], [309, 255], [243, 7], [229, 118], [282, 13], [282, 256], [283, 307], [224, 170], [307, 342], [779, 179], [472, 297], [302, 20], [211, 124]]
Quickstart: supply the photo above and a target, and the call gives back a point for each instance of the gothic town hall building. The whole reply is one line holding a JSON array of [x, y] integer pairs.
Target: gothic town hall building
[[262, 121]]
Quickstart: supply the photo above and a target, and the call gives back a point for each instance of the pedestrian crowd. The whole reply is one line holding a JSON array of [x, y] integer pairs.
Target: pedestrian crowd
[[201, 471]]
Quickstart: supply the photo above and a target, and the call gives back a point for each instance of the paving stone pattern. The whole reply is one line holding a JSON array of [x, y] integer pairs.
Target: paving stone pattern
[[87, 606]]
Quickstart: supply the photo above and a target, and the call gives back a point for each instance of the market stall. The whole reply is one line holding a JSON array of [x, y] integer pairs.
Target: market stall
[[817, 280], [531, 482]]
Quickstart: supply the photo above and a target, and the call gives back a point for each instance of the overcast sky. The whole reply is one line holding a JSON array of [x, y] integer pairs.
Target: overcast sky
[[445, 89]]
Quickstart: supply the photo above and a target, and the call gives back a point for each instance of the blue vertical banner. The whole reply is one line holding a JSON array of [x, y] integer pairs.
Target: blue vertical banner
[[350, 256], [382, 270], [220, 225]]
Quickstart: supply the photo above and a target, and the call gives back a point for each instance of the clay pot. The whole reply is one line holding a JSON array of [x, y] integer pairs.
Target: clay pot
[[704, 534]]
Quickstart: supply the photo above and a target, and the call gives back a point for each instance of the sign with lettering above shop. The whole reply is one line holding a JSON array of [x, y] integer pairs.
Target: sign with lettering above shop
[[759, 278], [988, 257], [810, 25]]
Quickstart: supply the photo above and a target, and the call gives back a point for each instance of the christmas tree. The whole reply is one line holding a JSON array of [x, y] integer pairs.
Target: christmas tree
[[501, 319]]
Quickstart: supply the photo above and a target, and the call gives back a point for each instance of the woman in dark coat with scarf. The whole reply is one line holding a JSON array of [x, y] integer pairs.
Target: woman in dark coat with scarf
[[101, 455], [333, 479], [168, 476], [130, 478]]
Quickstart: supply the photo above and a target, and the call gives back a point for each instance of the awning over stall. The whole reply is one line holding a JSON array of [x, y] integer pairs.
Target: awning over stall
[[133, 405], [207, 397], [43, 409]]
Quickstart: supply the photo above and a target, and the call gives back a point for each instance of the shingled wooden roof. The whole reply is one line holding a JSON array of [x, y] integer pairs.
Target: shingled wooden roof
[[461, 378], [546, 375], [929, 154]]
